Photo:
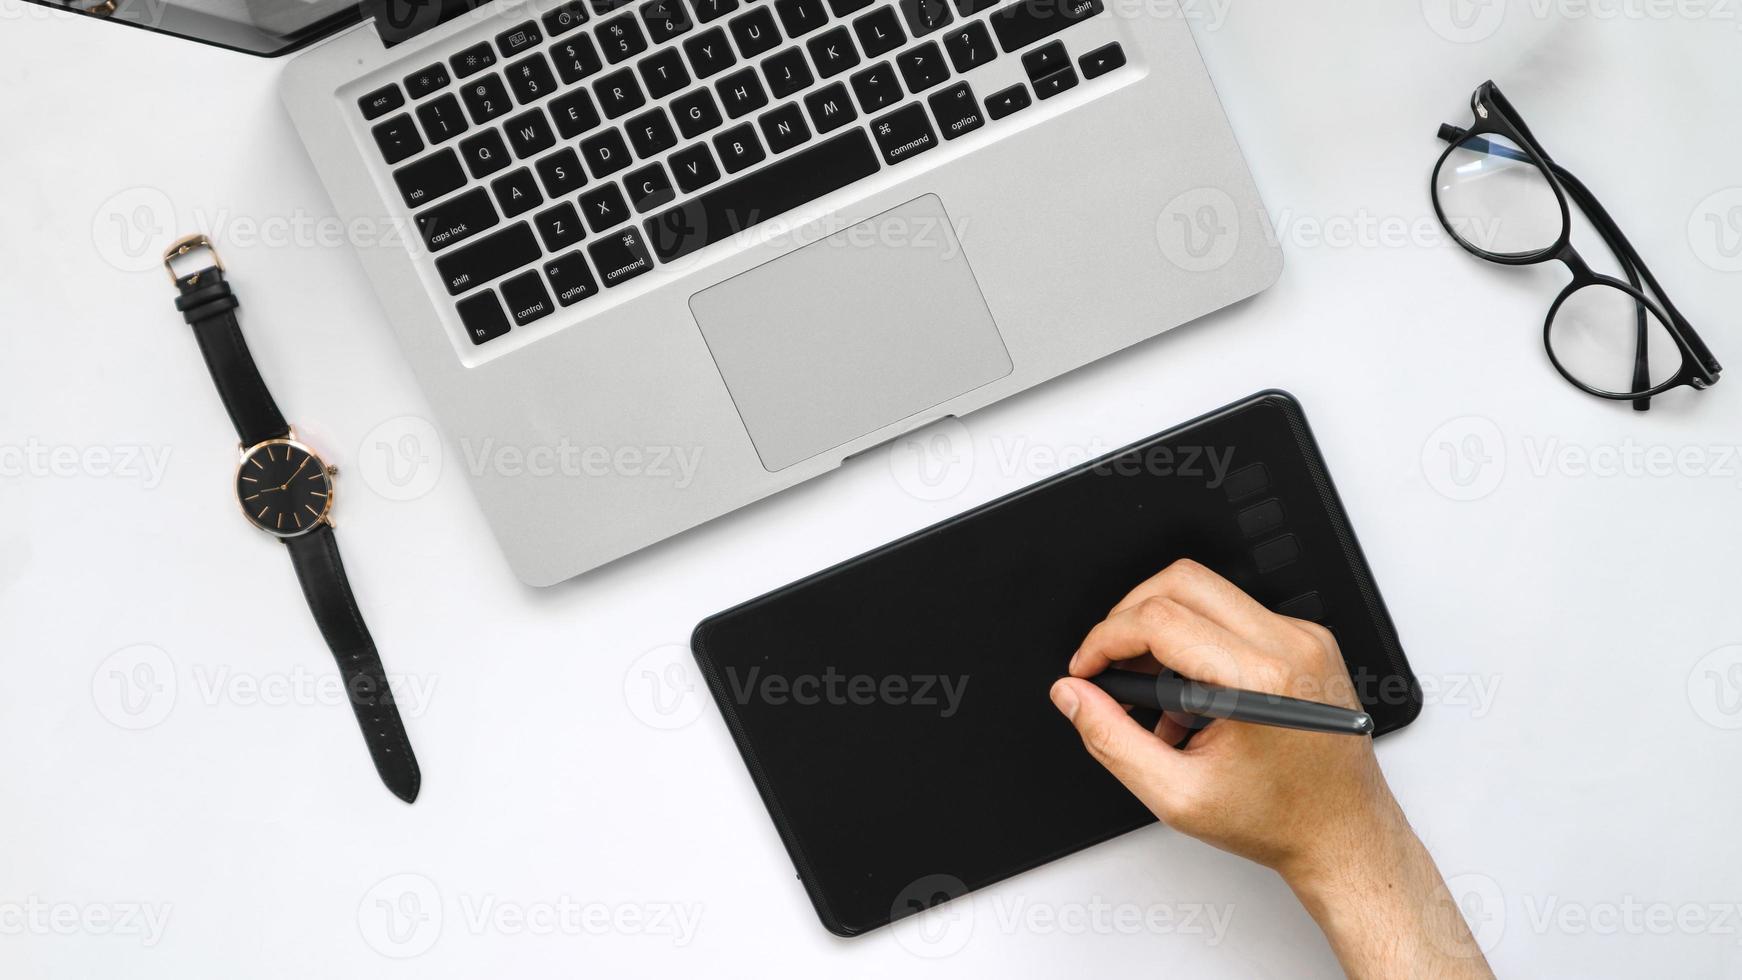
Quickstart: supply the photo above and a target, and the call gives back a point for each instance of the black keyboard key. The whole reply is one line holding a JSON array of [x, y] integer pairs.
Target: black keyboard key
[[564, 18], [516, 193], [788, 183], [473, 60], [784, 128], [488, 258], [664, 73], [922, 67], [522, 38], [452, 222], [1004, 102], [381, 101], [442, 119], [398, 140], [574, 113], [604, 208], [738, 148], [879, 32], [486, 98], [430, 178], [833, 52], [649, 187], [482, 317], [526, 298], [968, 8], [800, 17], [576, 58], [696, 113], [428, 81], [830, 108], [665, 19], [709, 53], [621, 257], [1063, 79], [570, 279], [603, 7], [651, 133], [755, 32], [1102, 60], [876, 87], [841, 8], [787, 73], [530, 78], [707, 10], [1045, 60], [484, 153], [904, 133], [605, 153], [957, 110], [925, 16], [561, 173], [619, 93], [970, 46], [530, 133], [693, 168], [1027, 21], [621, 38], [741, 93]]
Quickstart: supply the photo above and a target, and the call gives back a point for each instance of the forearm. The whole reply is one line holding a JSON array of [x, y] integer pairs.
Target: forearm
[[1386, 911]]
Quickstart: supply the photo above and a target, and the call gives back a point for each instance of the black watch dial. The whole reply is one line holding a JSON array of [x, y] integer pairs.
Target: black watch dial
[[284, 488]]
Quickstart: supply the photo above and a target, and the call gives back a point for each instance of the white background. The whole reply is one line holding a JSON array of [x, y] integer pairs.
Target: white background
[[1574, 771]]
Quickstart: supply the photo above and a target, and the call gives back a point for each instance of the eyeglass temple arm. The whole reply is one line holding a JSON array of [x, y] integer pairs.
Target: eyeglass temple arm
[[1612, 235]]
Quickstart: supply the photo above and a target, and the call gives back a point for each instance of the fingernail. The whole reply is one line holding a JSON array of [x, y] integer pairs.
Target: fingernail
[[1065, 699]]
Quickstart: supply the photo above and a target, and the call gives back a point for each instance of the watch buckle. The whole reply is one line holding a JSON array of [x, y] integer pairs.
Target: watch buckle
[[187, 246]]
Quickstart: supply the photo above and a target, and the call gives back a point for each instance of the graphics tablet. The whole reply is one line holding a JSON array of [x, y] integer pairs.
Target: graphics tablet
[[893, 710]]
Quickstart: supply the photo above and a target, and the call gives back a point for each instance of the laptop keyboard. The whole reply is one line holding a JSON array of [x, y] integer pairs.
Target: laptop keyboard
[[582, 149]]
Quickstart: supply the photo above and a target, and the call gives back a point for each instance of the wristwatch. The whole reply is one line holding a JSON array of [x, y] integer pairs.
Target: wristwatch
[[286, 490]]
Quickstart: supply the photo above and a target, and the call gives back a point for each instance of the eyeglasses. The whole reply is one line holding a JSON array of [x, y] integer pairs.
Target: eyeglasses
[[1503, 199]]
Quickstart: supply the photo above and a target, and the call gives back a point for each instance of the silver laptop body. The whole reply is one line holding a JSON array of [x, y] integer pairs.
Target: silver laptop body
[[898, 256]]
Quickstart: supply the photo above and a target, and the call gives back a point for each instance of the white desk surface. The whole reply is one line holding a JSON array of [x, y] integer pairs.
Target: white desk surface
[[183, 799]]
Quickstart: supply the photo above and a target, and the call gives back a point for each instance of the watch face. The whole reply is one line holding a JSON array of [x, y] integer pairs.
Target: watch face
[[284, 488]]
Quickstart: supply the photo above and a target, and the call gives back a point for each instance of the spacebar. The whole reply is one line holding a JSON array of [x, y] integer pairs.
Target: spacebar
[[731, 208]]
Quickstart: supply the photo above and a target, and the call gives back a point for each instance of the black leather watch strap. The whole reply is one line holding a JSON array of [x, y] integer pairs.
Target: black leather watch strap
[[210, 308], [316, 557]]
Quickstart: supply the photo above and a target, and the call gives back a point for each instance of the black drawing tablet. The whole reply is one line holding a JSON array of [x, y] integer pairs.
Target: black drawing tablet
[[893, 710]]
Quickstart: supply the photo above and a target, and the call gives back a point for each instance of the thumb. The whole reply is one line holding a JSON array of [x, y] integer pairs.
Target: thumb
[[1144, 763]]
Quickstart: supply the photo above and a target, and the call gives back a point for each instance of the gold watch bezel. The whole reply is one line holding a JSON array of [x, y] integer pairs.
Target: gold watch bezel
[[332, 472]]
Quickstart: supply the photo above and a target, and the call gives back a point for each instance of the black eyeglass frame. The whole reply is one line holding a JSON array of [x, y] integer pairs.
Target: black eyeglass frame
[[1496, 116]]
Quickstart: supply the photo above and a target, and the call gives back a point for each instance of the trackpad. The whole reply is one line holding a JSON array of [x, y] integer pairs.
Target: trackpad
[[851, 333]]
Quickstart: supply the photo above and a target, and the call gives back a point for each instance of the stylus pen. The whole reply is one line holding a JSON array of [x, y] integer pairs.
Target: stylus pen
[[1176, 694]]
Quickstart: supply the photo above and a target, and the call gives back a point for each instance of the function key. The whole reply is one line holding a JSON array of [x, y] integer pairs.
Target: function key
[[381, 101], [1102, 60], [521, 38], [473, 60], [483, 317], [565, 18], [1003, 103], [428, 81]]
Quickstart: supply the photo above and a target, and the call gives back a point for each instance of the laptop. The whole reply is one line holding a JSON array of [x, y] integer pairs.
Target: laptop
[[653, 260]]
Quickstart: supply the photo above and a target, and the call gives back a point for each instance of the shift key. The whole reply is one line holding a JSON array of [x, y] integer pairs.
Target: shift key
[[488, 258]]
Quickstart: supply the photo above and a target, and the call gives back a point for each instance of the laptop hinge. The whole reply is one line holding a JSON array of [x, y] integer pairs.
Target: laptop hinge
[[402, 20]]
